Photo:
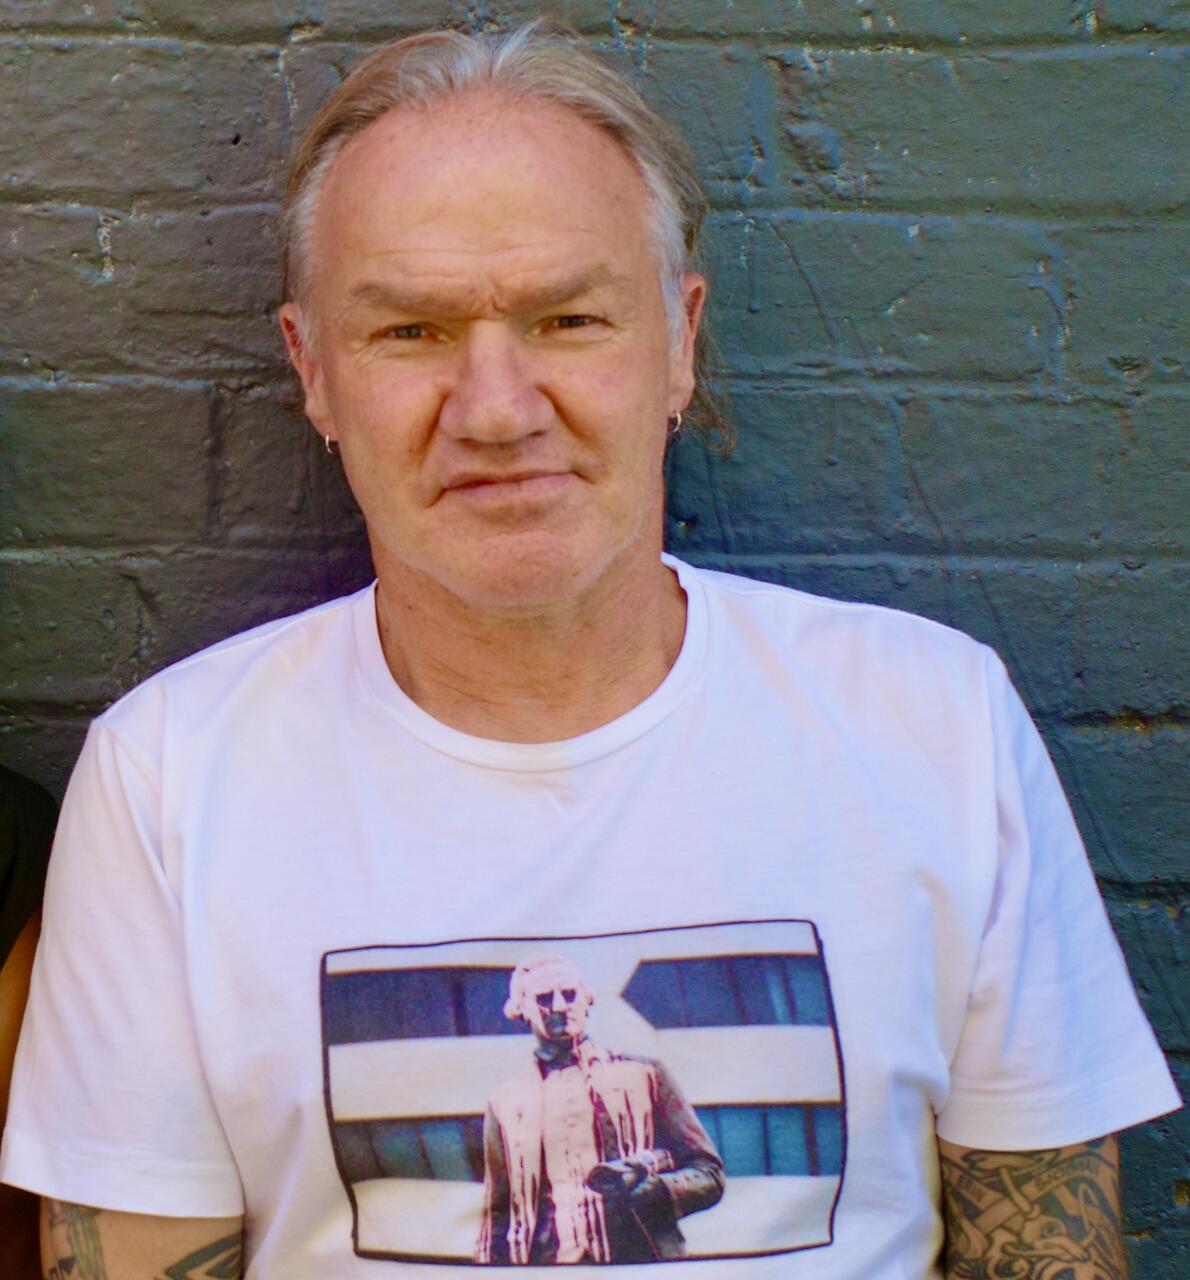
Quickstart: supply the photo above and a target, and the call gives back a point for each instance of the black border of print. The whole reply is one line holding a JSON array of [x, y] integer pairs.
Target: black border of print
[[326, 1017]]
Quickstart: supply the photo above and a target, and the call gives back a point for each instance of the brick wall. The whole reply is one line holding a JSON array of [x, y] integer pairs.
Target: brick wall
[[949, 252]]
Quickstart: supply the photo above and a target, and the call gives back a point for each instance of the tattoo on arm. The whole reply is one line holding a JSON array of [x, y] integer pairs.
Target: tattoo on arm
[[221, 1260], [75, 1238], [1033, 1215], [78, 1251]]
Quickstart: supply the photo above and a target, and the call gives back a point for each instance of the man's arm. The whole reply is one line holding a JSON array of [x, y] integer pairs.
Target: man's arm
[[1034, 1215], [79, 1243]]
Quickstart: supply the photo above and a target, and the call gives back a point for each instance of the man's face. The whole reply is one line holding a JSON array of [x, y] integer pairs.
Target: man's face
[[555, 1004], [491, 349]]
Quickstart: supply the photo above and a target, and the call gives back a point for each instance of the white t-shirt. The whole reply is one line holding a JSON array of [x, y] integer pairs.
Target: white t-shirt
[[822, 886]]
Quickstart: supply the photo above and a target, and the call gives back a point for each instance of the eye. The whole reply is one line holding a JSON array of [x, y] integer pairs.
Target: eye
[[572, 322], [545, 999], [568, 995], [406, 332]]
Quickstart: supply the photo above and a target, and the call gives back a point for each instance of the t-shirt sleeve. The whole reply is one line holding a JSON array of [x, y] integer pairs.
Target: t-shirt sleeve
[[1055, 1048], [109, 1105]]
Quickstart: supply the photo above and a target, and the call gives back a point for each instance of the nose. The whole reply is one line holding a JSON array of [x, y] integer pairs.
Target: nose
[[494, 397], [559, 1004]]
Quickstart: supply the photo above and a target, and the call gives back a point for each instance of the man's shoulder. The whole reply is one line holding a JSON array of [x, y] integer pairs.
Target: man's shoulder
[[245, 664], [822, 624]]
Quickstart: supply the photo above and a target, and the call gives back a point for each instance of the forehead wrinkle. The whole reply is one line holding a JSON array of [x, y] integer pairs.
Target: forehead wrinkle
[[476, 295]]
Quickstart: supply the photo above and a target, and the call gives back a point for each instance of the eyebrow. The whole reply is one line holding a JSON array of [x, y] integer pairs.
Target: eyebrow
[[411, 299]]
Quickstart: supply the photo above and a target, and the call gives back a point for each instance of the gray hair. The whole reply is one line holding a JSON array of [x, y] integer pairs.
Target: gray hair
[[422, 70]]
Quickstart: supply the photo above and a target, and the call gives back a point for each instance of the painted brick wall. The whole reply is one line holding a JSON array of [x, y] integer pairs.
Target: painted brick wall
[[949, 251]]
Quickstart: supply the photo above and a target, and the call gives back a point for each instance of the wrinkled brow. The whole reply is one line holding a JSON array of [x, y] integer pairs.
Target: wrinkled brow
[[416, 300]]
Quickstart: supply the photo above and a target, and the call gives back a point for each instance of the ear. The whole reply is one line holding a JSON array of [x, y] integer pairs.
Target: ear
[[305, 363], [694, 297]]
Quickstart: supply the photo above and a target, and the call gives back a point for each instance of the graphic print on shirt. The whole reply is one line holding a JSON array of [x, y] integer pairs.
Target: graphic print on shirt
[[626, 1098]]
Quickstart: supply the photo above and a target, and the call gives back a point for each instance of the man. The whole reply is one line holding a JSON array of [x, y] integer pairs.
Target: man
[[615, 1152], [534, 717]]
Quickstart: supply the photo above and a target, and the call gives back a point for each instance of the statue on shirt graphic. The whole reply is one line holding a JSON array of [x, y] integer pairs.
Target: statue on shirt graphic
[[590, 1156]]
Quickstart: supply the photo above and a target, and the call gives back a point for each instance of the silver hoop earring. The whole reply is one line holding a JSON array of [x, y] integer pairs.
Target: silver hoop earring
[[326, 440], [675, 424]]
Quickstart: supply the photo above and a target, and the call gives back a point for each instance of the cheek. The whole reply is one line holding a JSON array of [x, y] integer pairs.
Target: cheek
[[388, 412]]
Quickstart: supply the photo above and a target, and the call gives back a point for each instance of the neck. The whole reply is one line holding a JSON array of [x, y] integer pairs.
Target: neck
[[534, 676]]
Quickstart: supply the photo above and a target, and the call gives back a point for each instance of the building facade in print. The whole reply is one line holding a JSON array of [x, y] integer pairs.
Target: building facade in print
[[440, 1095]]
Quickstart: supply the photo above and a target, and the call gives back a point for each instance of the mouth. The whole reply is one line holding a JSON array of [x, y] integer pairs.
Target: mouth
[[497, 488]]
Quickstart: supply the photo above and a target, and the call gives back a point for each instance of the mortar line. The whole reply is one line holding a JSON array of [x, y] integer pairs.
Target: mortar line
[[1103, 44]]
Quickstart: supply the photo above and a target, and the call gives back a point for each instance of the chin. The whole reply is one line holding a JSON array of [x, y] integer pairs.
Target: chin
[[532, 571]]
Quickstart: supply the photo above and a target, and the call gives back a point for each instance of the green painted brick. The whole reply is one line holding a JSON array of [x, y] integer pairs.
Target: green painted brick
[[378, 20], [953, 22], [1129, 323], [1148, 468], [1130, 651], [200, 289], [848, 20], [237, 19], [1162, 1253], [227, 19], [312, 71], [1154, 939], [73, 630], [999, 132], [1127, 785], [59, 15], [1140, 15], [823, 294], [723, 99], [117, 121], [155, 293], [1036, 474], [1154, 1159], [275, 19], [278, 485], [42, 748], [57, 303], [103, 465], [811, 472]]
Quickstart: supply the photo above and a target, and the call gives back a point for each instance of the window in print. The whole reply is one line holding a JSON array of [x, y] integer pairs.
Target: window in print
[[786, 1140], [442, 1148], [410, 1004], [731, 991], [774, 1140]]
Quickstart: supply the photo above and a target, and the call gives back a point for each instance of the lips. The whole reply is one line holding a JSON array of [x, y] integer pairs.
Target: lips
[[477, 479], [513, 486]]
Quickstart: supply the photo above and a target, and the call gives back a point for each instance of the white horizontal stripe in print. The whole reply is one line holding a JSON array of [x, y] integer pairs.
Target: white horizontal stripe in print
[[414, 1216], [724, 1065]]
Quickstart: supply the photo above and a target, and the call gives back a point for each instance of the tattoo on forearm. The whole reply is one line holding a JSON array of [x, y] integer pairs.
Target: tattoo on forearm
[[1033, 1215], [78, 1252], [221, 1260], [75, 1237]]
